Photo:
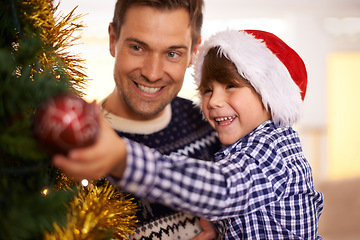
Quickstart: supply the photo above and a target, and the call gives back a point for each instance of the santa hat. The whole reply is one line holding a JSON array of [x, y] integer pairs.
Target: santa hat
[[274, 69]]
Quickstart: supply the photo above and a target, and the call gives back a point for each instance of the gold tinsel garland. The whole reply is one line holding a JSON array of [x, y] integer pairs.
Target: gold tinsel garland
[[57, 30], [96, 212]]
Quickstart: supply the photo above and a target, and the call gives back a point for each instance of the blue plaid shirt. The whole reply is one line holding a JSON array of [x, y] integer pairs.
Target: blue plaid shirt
[[260, 187]]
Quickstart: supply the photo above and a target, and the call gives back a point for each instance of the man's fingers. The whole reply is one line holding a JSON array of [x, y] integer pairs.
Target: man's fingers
[[208, 232]]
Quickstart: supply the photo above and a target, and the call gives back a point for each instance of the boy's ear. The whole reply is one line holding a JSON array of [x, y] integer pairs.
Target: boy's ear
[[194, 52], [112, 39]]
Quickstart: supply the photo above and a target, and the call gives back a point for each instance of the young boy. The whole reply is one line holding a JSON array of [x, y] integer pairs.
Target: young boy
[[252, 86], [260, 186]]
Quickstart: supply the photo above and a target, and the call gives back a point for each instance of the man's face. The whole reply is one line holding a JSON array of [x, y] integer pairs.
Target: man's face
[[151, 57]]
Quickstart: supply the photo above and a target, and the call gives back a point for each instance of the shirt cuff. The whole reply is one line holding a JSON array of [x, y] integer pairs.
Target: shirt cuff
[[140, 172]]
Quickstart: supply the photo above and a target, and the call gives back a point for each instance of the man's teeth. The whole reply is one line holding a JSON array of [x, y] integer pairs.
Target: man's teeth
[[148, 89], [224, 118]]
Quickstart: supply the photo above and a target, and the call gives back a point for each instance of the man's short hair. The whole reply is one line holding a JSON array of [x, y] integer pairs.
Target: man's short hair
[[194, 8]]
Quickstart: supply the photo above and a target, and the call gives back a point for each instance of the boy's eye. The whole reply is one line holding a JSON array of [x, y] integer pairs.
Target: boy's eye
[[206, 91], [230, 86]]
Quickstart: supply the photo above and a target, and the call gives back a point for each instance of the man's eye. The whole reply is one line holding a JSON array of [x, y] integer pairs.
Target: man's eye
[[173, 54], [136, 47]]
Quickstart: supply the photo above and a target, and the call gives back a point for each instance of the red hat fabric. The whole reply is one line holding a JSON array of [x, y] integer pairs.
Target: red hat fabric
[[287, 56], [274, 69]]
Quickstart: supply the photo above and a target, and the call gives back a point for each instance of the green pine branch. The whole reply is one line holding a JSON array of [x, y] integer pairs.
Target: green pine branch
[[33, 67]]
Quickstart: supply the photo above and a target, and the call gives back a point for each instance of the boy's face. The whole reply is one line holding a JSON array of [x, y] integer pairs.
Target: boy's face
[[151, 56], [233, 111]]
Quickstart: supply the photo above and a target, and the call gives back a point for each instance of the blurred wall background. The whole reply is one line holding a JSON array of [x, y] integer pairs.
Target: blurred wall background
[[326, 34]]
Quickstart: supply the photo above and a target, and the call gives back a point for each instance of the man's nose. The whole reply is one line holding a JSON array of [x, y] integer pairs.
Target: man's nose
[[153, 67]]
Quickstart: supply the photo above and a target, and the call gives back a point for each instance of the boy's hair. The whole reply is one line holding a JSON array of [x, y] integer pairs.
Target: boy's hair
[[216, 67], [194, 8]]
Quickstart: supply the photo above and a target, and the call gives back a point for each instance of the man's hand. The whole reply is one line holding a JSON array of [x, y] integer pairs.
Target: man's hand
[[208, 232], [107, 156]]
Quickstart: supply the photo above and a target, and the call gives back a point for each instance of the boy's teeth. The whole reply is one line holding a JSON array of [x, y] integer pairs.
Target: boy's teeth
[[224, 118], [148, 89]]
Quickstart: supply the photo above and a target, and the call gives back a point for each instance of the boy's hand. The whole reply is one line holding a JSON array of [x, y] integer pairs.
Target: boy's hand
[[106, 156]]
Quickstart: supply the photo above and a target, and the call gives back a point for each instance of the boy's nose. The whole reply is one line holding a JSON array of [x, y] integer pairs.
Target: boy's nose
[[216, 100]]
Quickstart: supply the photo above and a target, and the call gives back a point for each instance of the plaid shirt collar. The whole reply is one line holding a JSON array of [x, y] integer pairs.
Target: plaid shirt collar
[[229, 150]]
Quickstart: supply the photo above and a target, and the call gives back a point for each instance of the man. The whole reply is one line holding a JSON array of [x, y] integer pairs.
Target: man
[[153, 43]]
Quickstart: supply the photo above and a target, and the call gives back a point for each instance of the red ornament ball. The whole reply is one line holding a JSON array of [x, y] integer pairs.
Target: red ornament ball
[[65, 122]]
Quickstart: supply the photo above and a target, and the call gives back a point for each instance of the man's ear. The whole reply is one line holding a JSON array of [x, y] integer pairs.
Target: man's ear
[[194, 51], [112, 39]]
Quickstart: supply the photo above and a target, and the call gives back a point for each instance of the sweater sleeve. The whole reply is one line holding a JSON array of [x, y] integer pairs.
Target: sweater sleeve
[[211, 190]]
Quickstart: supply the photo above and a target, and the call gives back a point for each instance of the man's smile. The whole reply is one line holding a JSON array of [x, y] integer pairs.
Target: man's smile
[[150, 90]]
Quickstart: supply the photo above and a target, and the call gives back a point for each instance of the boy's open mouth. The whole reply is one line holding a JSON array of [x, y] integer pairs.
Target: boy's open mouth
[[225, 120]]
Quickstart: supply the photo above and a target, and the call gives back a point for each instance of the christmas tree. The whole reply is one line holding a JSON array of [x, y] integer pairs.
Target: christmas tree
[[38, 201]]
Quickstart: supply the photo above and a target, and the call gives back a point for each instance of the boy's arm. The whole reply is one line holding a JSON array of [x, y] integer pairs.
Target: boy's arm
[[140, 170], [211, 190], [207, 189]]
